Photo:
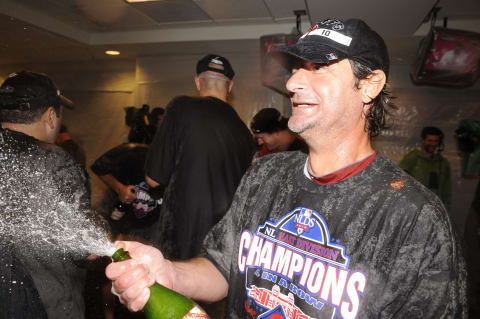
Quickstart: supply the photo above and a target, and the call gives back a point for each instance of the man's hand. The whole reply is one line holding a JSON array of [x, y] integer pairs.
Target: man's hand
[[132, 278], [126, 193]]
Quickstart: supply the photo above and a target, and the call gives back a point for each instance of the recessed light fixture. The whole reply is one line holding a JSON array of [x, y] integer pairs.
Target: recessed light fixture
[[134, 1], [112, 52]]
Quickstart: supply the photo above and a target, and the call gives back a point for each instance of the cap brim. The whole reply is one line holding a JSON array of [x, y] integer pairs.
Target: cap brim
[[313, 52], [65, 102]]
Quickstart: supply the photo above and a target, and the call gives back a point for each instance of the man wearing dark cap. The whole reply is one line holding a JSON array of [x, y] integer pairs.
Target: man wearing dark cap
[[340, 233], [271, 131], [199, 153], [42, 190]]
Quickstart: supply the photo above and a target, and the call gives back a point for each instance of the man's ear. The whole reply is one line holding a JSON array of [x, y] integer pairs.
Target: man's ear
[[48, 117], [230, 86], [372, 86], [197, 82]]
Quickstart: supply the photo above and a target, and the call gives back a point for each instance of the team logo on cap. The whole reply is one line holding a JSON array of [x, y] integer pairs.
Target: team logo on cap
[[331, 56], [216, 61], [334, 24]]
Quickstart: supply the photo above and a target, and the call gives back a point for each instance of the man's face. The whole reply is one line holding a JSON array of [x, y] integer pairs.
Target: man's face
[[431, 143], [324, 98], [270, 140]]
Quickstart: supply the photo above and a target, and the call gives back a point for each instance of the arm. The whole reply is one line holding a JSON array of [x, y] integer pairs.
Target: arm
[[151, 182], [427, 277], [196, 278], [126, 193]]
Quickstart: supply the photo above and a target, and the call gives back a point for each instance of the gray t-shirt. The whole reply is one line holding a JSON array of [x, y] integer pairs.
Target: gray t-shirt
[[375, 245], [42, 191]]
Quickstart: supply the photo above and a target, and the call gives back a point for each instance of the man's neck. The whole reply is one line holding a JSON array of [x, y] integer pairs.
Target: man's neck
[[327, 155], [32, 129], [216, 94]]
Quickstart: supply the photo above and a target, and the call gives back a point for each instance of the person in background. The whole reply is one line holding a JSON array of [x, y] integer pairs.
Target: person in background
[[65, 141], [428, 166], [200, 153], [122, 169], [142, 123], [157, 116], [36, 177], [270, 129], [340, 232]]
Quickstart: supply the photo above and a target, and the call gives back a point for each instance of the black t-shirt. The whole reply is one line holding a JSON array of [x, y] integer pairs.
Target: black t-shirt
[[125, 162], [201, 151], [375, 245], [43, 200]]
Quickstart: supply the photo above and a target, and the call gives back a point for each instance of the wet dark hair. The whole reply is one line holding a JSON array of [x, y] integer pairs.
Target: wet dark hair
[[431, 130], [381, 106], [26, 116]]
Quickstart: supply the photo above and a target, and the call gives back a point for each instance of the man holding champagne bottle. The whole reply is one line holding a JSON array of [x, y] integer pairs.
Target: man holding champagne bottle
[[342, 232]]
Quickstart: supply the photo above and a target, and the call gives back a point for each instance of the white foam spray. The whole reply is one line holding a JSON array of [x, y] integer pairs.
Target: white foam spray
[[37, 216]]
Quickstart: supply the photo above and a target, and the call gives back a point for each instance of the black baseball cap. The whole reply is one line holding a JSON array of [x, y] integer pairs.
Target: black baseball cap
[[268, 120], [332, 40], [29, 91], [224, 67]]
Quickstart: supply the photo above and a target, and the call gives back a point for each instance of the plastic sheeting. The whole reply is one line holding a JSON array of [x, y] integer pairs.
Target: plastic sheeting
[[101, 90]]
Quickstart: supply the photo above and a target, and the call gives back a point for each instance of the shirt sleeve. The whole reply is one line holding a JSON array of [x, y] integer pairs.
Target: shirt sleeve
[[428, 275], [106, 163], [160, 161]]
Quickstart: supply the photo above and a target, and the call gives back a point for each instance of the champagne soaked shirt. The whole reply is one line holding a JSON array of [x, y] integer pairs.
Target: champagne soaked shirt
[[41, 191], [376, 244]]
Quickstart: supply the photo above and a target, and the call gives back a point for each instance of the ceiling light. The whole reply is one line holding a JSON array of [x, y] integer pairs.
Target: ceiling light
[[134, 1], [112, 52]]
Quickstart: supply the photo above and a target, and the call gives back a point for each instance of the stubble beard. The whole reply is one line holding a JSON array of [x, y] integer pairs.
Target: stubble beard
[[299, 127]]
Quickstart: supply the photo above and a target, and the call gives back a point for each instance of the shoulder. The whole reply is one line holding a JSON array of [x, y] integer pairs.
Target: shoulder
[[182, 101], [278, 164], [406, 192], [414, 154]]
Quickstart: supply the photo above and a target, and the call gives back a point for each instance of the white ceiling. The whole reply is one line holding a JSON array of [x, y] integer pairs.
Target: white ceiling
[[66, 30]]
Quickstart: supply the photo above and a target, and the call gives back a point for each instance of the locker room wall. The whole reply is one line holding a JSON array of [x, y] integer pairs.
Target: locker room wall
[[101, 89]]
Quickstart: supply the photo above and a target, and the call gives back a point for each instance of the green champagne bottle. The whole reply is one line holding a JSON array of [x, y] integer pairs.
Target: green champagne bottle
[[165, 303]]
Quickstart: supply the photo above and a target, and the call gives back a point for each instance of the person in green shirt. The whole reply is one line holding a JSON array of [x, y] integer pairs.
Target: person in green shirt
[[428, 166]]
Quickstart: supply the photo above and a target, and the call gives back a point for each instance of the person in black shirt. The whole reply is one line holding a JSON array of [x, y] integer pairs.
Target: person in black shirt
[[200, 152], [122, 168], [43, 199]]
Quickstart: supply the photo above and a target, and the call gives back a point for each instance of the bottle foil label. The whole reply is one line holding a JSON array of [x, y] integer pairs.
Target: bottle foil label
[[196, 312]]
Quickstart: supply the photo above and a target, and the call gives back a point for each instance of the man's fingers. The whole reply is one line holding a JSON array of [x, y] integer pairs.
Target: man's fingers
[[139, 303], [117, 269], [130, 278]]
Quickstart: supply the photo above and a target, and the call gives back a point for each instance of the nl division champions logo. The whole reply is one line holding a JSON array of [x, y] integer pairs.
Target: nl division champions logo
[[292, 270]]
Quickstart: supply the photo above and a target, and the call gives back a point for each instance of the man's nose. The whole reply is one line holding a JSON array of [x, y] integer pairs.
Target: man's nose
[[297, 81]]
